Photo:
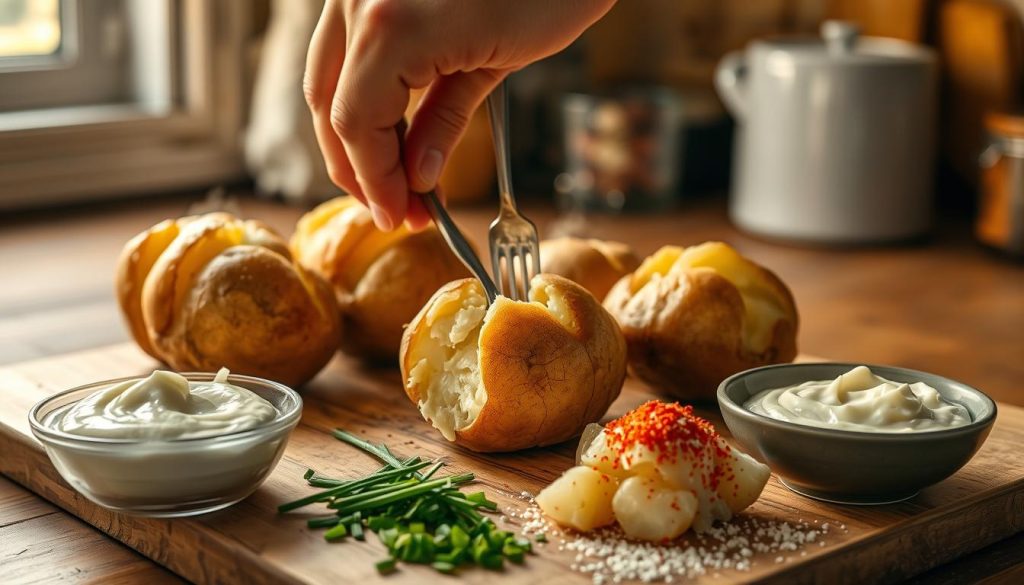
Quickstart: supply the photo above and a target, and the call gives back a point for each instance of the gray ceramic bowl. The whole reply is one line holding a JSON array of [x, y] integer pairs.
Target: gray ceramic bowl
[[853, 467]]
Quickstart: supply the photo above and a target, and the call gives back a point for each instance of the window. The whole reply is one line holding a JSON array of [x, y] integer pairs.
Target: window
[[29, 28], [107, 97]]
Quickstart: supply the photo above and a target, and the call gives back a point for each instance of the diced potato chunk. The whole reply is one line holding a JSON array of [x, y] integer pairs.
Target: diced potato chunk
[[647, 508], [602, 458], [580, 499], [743, 479]]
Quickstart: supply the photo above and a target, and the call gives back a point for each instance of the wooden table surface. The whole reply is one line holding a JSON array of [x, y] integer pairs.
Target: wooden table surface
[[944, 305]]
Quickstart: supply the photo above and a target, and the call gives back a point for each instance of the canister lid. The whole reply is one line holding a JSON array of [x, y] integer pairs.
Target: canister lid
[[841, 43]]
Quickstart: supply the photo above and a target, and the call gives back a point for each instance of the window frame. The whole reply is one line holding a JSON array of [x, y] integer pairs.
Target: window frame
[[83, 70], [113, 150]]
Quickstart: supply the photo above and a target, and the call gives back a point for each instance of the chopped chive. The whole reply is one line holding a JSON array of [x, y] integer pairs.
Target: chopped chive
[[340, 502], [406, 492], [376, 523], [379, 451], [386, 566], [443, 567], [350, 486], [336, 533], [419, 517], [512, 552], [430, 472], [459, 537], [492, 561], [322, 522], [541, 537]]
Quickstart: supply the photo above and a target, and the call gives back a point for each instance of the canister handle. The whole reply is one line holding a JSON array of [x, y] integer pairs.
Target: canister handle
[[840, 35], [730, 81]]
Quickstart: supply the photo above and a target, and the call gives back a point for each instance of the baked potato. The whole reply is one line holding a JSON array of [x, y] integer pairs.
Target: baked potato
[[596, 265], [380, 279], [694, 316], [205, 292], [514, 374]]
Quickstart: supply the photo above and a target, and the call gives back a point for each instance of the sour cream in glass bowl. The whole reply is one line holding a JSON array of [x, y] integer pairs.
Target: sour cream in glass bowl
[[168, 444]]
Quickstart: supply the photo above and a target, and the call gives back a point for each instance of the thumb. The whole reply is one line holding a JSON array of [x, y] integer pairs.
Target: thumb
[[440, 121]]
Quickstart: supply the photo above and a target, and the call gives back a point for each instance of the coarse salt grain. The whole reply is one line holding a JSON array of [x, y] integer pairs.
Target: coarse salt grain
[[608, 557]]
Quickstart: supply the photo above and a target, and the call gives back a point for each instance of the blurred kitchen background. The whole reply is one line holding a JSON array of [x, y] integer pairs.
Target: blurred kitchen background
[[105, 99]]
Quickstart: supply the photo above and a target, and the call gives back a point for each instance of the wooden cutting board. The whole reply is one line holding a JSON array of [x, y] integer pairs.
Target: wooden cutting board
[[251, 543]]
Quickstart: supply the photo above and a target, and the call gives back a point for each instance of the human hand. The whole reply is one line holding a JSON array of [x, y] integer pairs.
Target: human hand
[[364, 57]]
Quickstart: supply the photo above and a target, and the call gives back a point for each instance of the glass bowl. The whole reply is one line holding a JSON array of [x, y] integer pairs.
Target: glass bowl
[[172, 477]]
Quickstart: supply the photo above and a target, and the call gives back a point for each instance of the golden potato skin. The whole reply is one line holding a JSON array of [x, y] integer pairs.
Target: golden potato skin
[[596, 265], [213, 291], [137, 259], [376, 296], [684, 331], [545, 380]]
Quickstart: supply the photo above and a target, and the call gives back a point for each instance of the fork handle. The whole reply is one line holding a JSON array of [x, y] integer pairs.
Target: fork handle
[[497, 109], [458, 243], [449, 231]]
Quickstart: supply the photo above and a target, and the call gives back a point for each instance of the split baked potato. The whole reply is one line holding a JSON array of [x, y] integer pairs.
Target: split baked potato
[[380, 279], [514, 374], [596, 265], [694, 316], [205, 292]]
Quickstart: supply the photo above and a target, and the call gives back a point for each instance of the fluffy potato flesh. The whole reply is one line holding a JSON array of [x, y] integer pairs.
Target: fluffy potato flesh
[[580, 499], [448, 370], [763, 304], [648, 508]]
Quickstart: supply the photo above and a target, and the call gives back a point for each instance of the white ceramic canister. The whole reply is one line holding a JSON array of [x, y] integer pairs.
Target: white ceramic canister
[[835, 136]]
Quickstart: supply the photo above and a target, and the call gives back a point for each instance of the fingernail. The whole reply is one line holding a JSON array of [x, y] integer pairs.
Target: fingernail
[[430, 167], [380, 217]]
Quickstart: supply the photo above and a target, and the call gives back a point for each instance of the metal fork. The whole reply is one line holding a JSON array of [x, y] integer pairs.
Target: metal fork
[[457, 242], [450, 232], [512, 237]]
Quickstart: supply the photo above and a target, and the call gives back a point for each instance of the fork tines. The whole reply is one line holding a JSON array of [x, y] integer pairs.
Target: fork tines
[[514, 263]]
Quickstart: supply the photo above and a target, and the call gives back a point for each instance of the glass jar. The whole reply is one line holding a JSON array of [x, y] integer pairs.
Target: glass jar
[[1000, 220]]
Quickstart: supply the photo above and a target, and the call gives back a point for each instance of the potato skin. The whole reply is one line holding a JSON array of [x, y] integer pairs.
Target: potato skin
[[596, 265], [379, 299], [392, 291], [198, 305], [136, 260], [684, 330], [250, 312], [544, 381]]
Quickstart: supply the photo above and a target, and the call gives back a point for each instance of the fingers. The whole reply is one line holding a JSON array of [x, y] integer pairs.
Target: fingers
[[370, 100], [418, 217], [323, 67], [440, 120]]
